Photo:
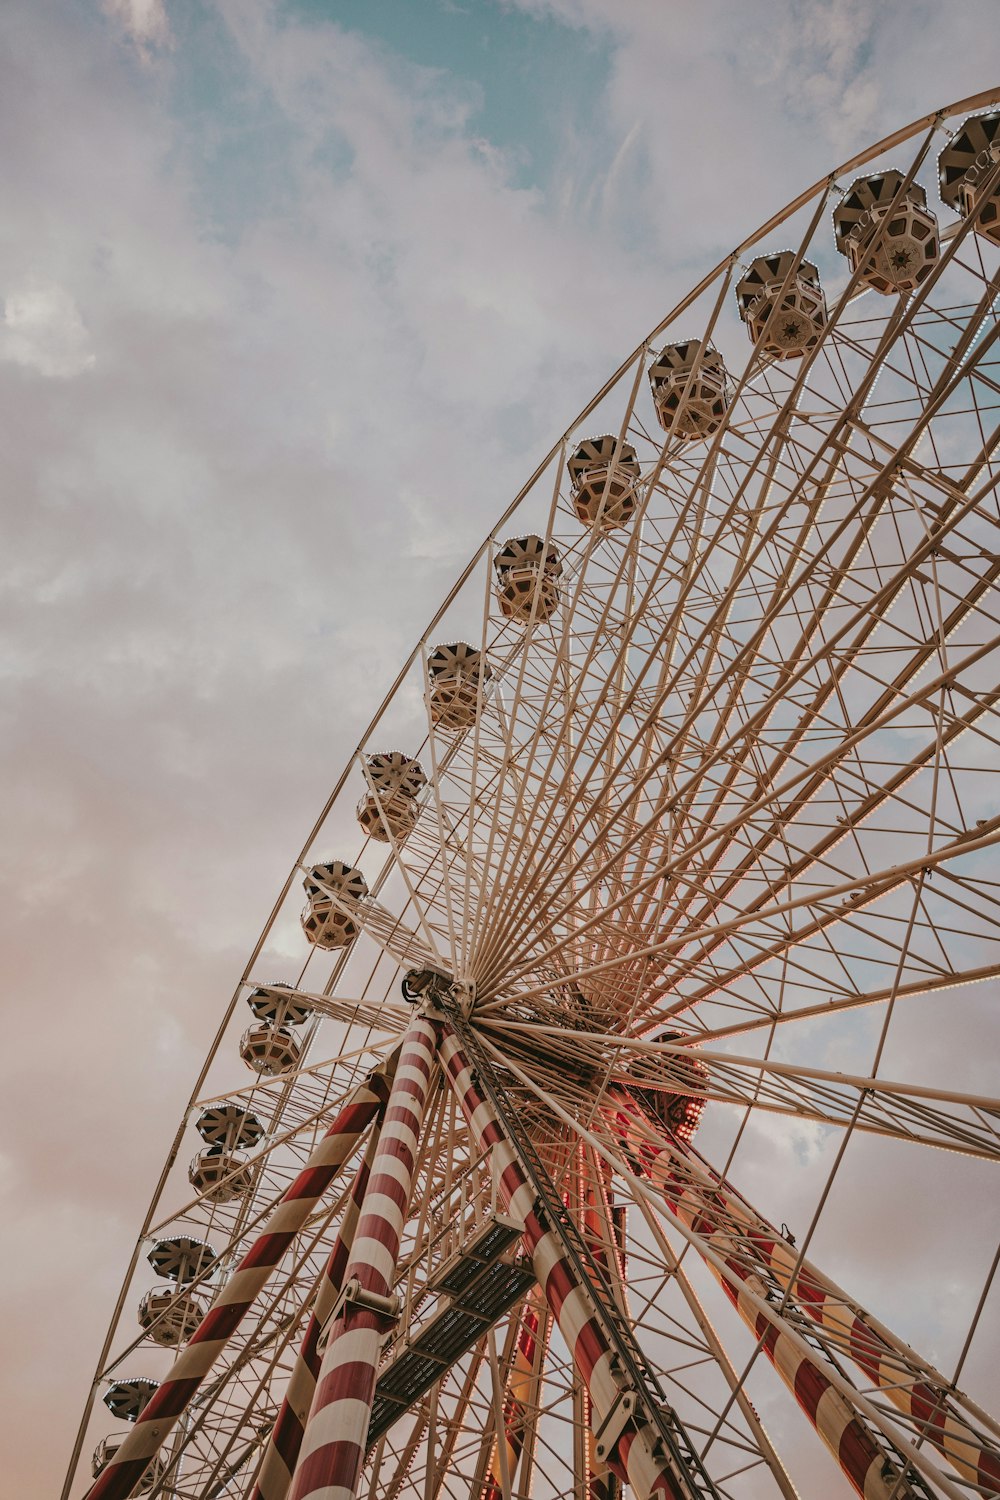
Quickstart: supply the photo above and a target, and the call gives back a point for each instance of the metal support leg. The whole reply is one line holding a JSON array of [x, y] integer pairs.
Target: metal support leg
[[521, 1395], [285, 1442], [913, 1387], [241, 1289], [335, 1438], [604, 1228], [872, 1469]]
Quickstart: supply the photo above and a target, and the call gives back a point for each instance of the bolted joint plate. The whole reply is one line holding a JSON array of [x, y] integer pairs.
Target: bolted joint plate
[[618, 1418]]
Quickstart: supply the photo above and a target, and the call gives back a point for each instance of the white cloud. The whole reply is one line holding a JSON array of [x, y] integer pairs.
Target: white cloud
[[742, 106], [42, 329], [144, 22]]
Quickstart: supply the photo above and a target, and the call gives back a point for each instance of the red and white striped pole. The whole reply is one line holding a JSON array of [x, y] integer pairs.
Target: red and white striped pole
[[336, 1432], [281, 1454], [635, 1456], [862, 1458], [520, 1397], [238, 1293], [886, 1362]]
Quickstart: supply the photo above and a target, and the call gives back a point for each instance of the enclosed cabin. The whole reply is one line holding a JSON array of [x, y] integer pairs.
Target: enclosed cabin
[[105, 1452], [604, 475], [332, 917], [782, 305], [182, 1259], [128, 1398], [691, 390], [271, 1044], [889, 236], [969, 171], [664, 1080], [389, 809], [279, 1003], [169, 1316], [271, 1050], [220, 1172], [220, 1176], [528, 570], [459, 681]]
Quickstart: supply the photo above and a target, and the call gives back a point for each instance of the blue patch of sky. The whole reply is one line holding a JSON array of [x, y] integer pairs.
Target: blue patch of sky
[[532, 75], [232, 139], [527, 84]]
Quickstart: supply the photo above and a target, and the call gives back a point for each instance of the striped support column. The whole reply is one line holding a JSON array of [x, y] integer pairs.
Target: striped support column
[[238, 1293], [866, 1464], [281, 1454], [520, 1397], [883, 1360], [333, 1445], [636, 1457]]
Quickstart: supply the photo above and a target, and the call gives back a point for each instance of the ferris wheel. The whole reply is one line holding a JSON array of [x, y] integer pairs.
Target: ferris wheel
[[685, 801]]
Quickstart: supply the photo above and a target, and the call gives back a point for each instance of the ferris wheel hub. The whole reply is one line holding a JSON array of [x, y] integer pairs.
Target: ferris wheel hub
[[438, 994]]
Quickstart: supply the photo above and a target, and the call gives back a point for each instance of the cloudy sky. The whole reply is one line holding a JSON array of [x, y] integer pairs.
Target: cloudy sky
[[293, 297]]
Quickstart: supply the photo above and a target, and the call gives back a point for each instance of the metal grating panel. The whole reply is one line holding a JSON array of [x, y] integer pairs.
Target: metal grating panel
[[445, 1337], [496, 1289], [492, 1241]]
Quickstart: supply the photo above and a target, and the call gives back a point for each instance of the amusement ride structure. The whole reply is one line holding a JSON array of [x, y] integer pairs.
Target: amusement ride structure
[[696, 796]]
